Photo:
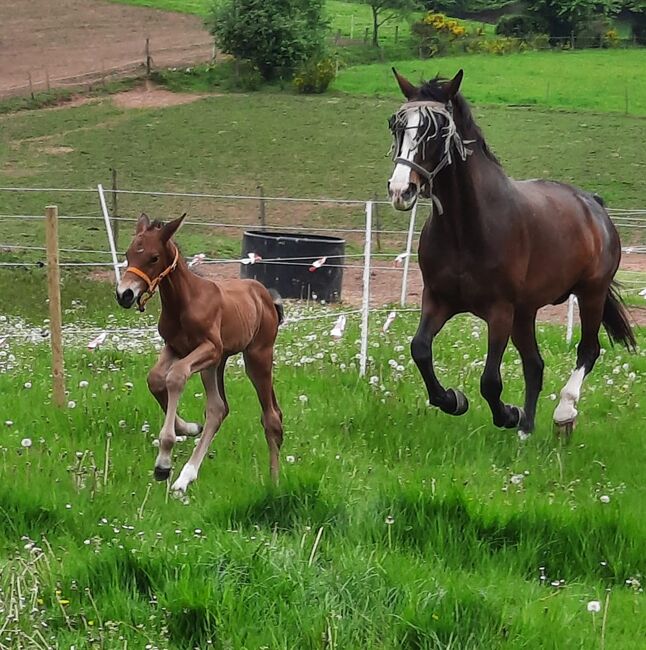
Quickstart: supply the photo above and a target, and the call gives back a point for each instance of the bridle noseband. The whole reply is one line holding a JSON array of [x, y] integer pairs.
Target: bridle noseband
[[429, 111], [152, 284]]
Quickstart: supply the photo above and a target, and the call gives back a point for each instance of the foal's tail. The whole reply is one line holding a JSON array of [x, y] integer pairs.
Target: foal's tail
[[278, 304], [615, 319]]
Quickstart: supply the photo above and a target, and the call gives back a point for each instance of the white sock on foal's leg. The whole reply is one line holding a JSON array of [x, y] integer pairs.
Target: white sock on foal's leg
[[566, 409]]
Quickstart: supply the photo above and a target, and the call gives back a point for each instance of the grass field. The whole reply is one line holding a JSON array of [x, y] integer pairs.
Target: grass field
[[434, 531], [202, 149]]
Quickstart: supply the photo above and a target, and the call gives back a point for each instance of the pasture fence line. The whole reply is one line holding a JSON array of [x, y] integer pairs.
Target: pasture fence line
[[371, 262]]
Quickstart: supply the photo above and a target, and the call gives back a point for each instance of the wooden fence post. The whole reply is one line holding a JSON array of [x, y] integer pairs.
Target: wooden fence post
[[54, 293], [148, 58], [262, 213], [114, 208]]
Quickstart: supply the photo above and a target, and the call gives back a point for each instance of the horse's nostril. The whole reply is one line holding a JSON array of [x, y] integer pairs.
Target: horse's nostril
[[128, 295]]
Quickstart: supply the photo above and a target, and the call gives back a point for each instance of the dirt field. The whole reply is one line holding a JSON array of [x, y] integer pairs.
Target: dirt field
[[63, 39]]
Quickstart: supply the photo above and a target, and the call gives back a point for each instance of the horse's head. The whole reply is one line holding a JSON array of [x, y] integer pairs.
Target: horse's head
[[423, 130], [149, 258]]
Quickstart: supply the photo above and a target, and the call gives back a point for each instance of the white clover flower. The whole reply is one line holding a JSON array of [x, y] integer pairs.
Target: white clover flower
[[517, 479], [390, 520], [71, 404], [604, 498], [374, 380], [594, 606], [303, 398], [26, 443], [83, 383], [290, 459], [27, 385], [8, 423]]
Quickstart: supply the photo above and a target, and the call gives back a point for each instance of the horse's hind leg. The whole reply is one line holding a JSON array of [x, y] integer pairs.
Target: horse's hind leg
[[434, 314], [157, 386], [258, 364], [523, 336], [591, 312], [500, 323], [216, 410]]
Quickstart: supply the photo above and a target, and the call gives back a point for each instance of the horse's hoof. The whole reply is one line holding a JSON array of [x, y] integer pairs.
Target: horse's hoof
[[461, 402], [520, 413], [563, 430], [162, 473]]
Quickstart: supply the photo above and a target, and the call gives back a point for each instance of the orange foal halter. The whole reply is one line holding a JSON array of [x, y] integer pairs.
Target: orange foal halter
[[152, 284]]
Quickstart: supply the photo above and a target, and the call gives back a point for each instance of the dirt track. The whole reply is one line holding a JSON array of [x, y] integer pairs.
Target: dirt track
[[70, 38]]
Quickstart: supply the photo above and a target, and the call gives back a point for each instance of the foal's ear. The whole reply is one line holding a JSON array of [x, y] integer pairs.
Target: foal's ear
[[452, 87], [406, 86], [142, 223], [171, 228]]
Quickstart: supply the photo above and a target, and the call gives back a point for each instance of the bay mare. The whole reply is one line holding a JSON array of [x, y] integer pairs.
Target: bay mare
[[203, 323], [500, 249]]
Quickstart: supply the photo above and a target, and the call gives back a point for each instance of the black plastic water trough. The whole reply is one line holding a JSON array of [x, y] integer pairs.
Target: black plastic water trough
[[296, 277]]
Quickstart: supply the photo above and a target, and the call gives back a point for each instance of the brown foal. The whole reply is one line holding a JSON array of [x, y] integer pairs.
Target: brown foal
[[203, 323]]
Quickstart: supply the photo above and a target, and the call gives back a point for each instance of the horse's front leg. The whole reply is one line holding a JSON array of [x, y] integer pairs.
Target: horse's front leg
[[435, 313], [205, 355], [157, 386], [500, 322]]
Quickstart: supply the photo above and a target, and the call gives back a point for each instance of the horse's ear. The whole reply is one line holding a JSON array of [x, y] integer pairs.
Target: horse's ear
[[452, 87], [406, 86], [142, 223], [171, 228]]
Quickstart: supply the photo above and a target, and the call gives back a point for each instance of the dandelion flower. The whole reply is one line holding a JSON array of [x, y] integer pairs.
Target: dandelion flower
[[26, 443], [83, 384], [27, 384], [390, 520], [594, 606], [71, 404]]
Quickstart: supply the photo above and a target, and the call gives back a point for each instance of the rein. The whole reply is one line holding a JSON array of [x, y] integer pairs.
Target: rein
[[152, 284], [429, 110]]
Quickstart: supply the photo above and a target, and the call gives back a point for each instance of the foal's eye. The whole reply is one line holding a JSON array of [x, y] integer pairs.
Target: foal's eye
[[154, 259]]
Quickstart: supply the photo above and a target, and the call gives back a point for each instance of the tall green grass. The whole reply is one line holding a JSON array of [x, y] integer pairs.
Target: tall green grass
[[433, 532]]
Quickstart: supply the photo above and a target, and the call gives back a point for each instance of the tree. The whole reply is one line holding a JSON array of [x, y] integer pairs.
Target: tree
[[384, 11], [275, 35], [566, 16]]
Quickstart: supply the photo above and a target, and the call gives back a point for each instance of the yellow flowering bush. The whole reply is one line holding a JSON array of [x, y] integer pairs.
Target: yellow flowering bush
[[436, 32], [314, 76]]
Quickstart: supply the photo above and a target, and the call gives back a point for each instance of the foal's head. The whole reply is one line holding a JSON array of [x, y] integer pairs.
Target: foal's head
[[424, 133], [148, 257]]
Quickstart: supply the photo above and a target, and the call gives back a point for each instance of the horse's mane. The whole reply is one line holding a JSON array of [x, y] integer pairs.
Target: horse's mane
[[433, 90]]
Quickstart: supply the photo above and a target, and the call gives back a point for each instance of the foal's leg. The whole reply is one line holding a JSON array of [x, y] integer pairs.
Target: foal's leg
[[216, 410], [500, 324], [258, 364], [591, 312], [523, 336], [434, 314], [202, 357], [157, 386]]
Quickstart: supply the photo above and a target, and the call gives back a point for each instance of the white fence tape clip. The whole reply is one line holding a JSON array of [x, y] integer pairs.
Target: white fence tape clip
[[251, 258], [399, 260], [197, 259], [317, 264], [389, 321], [95, 343], [339, 326]]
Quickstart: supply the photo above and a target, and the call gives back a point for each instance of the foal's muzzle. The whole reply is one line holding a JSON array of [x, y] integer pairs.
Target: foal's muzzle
[[126, 299]]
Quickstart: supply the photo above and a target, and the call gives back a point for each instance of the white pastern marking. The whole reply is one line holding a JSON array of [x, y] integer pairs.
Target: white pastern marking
[[566, 409], [400, 180], [186, 477]]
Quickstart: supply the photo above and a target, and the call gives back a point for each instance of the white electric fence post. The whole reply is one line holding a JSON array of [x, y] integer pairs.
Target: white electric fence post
[[365, 304], [108, 228], [570, 319], [409, 246]]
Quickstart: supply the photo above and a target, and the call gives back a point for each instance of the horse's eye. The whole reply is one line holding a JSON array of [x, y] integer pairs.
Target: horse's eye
[[154, 259]]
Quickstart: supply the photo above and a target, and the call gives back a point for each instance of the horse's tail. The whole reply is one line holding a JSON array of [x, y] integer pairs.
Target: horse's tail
[[615, 319], [278, 304]]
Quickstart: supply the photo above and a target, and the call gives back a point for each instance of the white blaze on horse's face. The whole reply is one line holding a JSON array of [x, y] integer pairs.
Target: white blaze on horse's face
[[403, 186]]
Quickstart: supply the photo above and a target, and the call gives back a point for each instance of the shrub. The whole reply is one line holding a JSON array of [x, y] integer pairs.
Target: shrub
[[274, 35], [315, 75], [519, 26], [591, 33], [435, 33]]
